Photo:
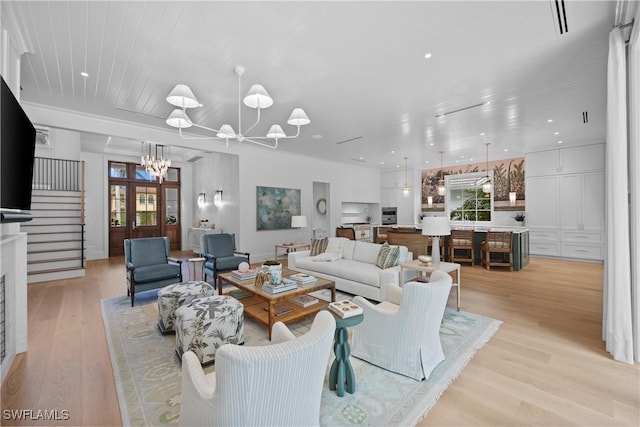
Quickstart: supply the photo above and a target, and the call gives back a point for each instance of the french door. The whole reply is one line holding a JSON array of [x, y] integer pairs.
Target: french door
[[139, 206]]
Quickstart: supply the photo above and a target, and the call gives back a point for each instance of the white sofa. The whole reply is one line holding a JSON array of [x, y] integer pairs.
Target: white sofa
[[356, 272]]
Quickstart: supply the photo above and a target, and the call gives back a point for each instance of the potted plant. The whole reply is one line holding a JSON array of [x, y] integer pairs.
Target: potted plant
[[274, 269], [520, 217]]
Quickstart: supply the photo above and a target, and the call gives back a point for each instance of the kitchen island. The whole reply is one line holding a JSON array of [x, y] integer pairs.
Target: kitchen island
[[411, 236]]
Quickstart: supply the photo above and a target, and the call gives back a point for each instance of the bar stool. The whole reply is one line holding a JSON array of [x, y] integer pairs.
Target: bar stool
[[500, 242], [461, 240]]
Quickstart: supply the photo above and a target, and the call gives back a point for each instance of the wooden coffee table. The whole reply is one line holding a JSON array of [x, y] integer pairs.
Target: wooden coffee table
[[261, 305]]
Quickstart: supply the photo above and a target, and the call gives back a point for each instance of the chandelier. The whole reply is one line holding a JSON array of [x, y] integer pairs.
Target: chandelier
[[257, 98], [154, 164], [441, 188]]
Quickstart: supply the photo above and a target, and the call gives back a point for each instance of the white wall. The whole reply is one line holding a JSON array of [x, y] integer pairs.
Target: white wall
[[260, 167]]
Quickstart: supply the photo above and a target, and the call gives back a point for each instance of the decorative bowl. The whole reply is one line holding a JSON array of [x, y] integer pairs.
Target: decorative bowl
[[425, 259]]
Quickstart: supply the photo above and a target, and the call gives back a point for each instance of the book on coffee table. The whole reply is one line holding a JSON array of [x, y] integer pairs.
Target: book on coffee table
[[345, 309], [304, 300]]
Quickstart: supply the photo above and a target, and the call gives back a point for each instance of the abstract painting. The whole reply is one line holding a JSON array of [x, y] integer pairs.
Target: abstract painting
[[276, 206]]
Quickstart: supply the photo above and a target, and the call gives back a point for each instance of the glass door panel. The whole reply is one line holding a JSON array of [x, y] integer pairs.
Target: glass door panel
[[146, 206], [118, 205], [171, 206]]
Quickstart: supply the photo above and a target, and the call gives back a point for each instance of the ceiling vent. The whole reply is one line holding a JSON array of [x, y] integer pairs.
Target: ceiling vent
[[194, 159], [461, 109], [560, 15], [585, 117], [349, 140]]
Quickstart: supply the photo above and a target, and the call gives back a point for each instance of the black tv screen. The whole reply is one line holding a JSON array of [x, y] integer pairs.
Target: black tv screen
[[17, 147]]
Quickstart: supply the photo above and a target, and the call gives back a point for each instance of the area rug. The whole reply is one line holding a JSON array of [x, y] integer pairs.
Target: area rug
[[148, 375]]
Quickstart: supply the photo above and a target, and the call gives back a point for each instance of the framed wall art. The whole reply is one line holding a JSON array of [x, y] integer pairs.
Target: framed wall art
[[275, 207]]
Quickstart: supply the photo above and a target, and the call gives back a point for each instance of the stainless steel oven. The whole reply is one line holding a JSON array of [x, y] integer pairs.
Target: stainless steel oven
[[389, 216]]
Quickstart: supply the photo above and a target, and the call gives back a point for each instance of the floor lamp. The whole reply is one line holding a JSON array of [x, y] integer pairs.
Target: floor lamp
[[298, 221], [435, 226]]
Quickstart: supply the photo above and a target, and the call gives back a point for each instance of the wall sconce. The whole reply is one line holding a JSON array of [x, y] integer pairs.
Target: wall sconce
[[430, 201], [202, 201], [217, 198], [512, 198]]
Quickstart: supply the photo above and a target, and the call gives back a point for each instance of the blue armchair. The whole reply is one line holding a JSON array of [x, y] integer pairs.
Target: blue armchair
[[149, 265], [221, 255]]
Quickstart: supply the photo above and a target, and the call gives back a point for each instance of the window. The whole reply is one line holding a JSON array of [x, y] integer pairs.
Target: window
[[466, 202]]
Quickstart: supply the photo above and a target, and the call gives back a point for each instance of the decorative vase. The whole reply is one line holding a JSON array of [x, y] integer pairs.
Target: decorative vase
[[274, 271]]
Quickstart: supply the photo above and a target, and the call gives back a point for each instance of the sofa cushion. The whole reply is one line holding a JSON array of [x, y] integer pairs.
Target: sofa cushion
[[388, 256], [347, 249], [150, 273], [366, 252], [318, 246], [345, 269]]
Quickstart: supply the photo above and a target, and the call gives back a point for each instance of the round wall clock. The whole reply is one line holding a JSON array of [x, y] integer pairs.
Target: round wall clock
[[321, 206]]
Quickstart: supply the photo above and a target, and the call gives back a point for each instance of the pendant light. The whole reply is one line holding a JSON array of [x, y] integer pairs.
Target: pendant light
[[406, 190], [486, 187], [441, 188]]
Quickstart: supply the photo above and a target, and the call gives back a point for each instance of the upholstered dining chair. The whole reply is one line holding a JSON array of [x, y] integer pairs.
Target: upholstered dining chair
[[273, 385], [149, 265], [221, 255], [500, 242], [461, 241], [402, 333]]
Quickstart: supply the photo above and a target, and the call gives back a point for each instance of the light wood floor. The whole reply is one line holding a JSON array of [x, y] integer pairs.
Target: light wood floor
[[546, 365]]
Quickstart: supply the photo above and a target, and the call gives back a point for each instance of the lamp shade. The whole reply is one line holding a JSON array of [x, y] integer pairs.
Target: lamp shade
[[298, 117], [182, 96], [435, 226], [179, 119], [276, 132], [258, 97], [226, 131], [298, 221]]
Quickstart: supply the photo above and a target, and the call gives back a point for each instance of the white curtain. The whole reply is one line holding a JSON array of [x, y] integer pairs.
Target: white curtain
[[634, 162], [617, 314]]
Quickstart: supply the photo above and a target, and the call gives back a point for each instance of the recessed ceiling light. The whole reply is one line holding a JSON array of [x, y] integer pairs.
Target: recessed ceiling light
[[559, 142], [397, 166], [482, 134], [550, 121], [470, 159], [462, 157], [556, 133], [457, 161], [382, 163], [393, 151], [427, 55], [316, 136], [506, 149], [427, 161], [84, 74], [431, 144], [361, 157]]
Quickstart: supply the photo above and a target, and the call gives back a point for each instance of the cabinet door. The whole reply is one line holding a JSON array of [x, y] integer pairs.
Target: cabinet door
[[541, 163], [593, 201], [582, 159], [570, 196], [542, 202]]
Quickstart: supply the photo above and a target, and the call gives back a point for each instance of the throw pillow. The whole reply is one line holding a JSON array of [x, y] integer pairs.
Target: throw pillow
[[318, 246], [388, 256]]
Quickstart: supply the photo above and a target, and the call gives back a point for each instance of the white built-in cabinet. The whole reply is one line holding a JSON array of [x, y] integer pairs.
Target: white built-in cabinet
[[565, 202], [391, 194]]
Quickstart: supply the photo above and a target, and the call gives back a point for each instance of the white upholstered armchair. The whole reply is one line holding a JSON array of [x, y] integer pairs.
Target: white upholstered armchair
[[402, 333], [273, 385]]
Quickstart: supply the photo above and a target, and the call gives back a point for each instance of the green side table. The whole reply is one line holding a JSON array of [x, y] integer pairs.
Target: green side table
[[341, 372]]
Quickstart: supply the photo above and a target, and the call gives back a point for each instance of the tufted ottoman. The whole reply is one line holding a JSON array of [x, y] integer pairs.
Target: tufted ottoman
[[173, 296], [205, 324]]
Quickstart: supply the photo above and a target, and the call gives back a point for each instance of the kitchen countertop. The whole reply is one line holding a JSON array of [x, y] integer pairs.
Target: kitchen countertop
[[479, 228]]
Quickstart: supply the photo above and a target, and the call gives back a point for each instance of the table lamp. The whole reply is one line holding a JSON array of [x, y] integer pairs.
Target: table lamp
[[435, 226], [298, 221]]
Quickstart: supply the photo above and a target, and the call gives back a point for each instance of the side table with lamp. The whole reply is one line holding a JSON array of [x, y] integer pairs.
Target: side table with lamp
[[434, 226]]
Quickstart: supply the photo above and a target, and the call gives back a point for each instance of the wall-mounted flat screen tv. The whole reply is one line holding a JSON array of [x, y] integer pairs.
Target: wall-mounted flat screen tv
[[17, 147]]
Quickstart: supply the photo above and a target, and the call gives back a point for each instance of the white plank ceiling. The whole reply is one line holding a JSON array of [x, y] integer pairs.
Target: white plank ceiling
[[357, 68]]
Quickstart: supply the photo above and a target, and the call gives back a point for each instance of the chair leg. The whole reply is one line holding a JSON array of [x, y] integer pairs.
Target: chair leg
[[132, 295], [488, 265]]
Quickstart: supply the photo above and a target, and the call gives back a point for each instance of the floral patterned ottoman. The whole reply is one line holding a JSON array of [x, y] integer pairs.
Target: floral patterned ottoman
[[173, 296], [205, 324]]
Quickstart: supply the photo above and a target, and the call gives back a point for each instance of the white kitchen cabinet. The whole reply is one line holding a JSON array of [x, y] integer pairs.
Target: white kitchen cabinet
[[586, 158], [565, 202]]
